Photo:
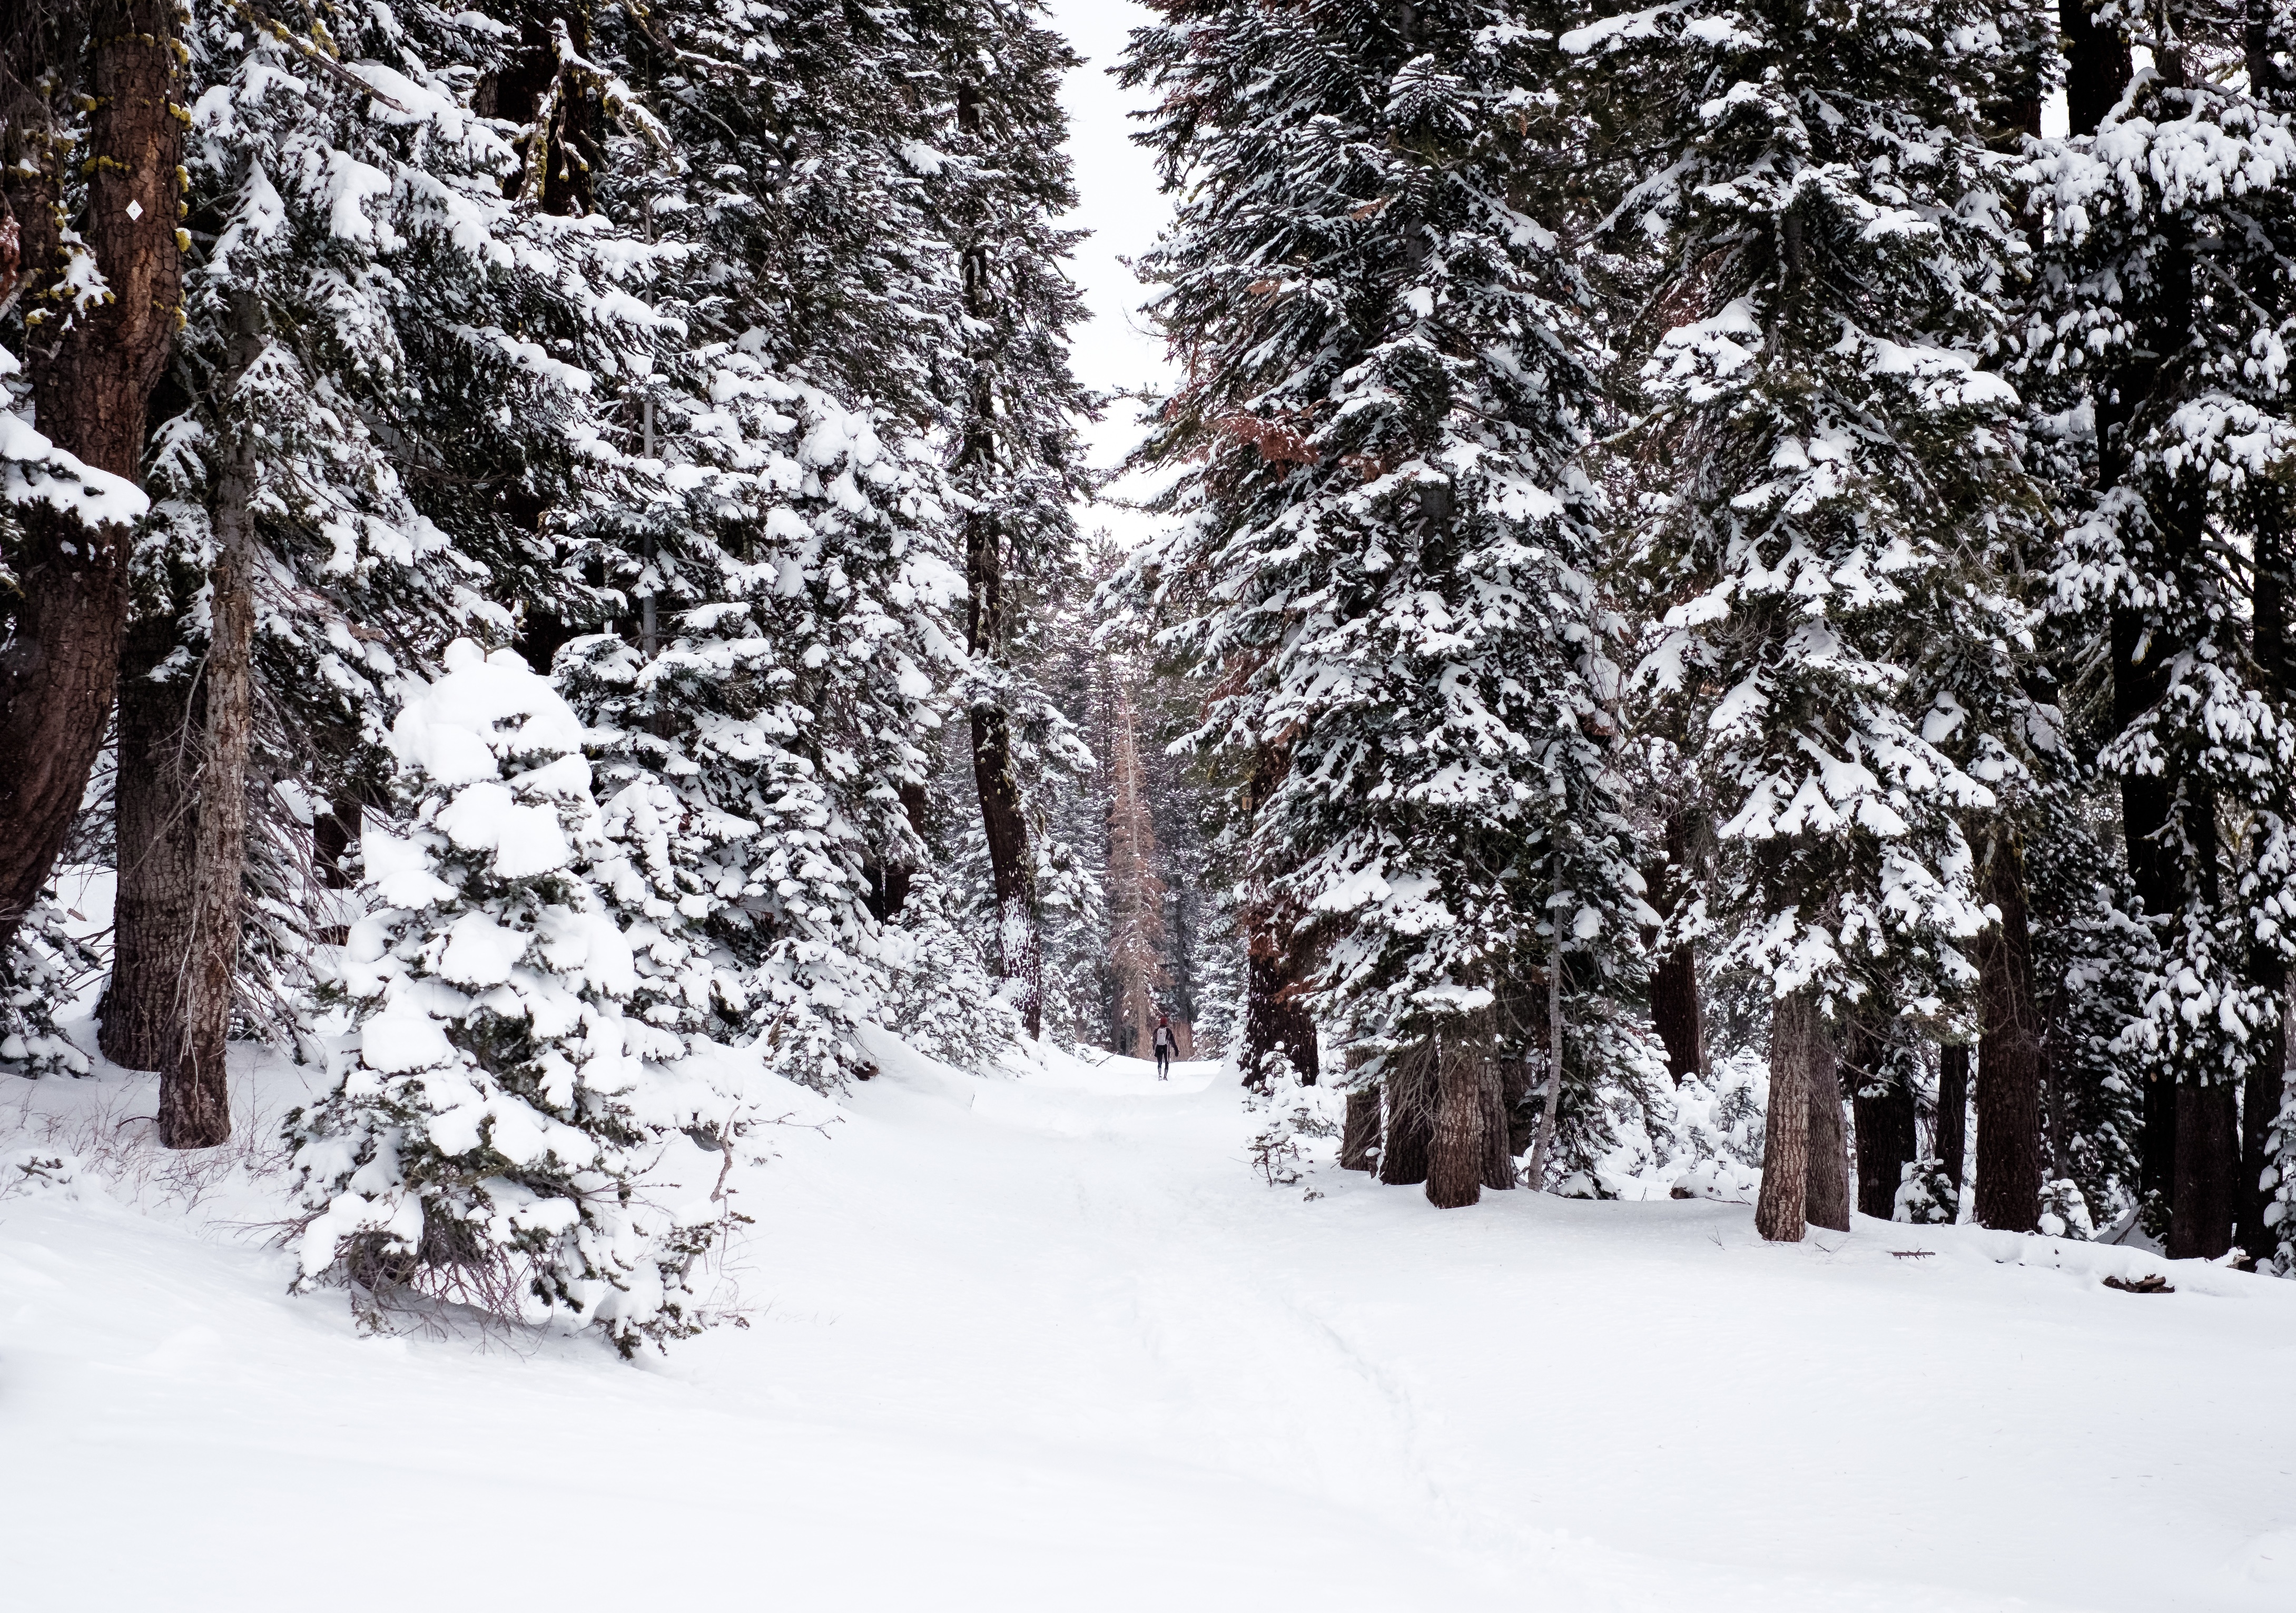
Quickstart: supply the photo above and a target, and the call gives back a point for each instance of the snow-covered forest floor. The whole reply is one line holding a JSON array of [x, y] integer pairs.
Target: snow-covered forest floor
[[1045, 1340]]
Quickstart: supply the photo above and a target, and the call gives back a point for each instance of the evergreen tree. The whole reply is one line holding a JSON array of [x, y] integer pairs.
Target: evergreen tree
[[495, 1113], [1387, 562], [1829, 230], [1001, 177], [2160, 329]]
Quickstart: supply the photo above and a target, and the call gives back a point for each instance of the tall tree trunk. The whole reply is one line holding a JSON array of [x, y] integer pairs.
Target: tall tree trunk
[[1011, 869], [1952, 1112], [1826, 1201], [2008, 1054], [1275, 1022], [1882, 1105], [156, 821], [1499, 1156], [1004, 816], [1410, 1116], [1456, 1160], [2207, 1200], [194, 1087], [2098, 66], [1677, 1012], [1359, 1138], [1794, 1045], [92, 372]]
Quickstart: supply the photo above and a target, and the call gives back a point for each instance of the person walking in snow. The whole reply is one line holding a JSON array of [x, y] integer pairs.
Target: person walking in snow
[[1163, 1041]]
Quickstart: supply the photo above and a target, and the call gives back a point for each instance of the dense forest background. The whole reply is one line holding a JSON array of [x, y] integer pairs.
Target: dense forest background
[[1719, 596]]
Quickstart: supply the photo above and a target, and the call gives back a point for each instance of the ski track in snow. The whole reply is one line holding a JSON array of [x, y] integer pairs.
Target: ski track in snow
[[1043, 1341]]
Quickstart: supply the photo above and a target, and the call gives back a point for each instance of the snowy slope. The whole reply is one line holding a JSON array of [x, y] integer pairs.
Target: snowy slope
[[1046, 1343]]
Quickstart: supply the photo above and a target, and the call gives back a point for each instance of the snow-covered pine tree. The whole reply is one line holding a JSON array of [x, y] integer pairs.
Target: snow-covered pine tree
[[786, 625], [417, 417], [1000, 175], [495, 1113], [1829, 228], [1386, 563], [2159, 330]]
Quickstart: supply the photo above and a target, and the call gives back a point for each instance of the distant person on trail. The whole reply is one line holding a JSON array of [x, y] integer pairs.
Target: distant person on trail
[[1163, 1041]]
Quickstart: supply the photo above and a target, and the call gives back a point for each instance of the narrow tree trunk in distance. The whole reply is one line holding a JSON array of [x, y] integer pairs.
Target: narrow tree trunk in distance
[[156, 822], [1410, 1117], [1785, 1142], [2008, 1056], [1825, 1201], [1455, 1160], [1676, 1011], [92, 381], [1952, 1112], [1883, 1108], [194, 1087]]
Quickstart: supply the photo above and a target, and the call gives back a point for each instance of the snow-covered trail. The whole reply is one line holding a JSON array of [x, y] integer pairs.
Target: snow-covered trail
[[1046, 1343]]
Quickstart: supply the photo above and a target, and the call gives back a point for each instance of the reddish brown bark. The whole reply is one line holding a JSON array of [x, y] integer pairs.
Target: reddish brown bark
[[1794, 1036], [92, 372], [2008, 1054], [1275, 1023]]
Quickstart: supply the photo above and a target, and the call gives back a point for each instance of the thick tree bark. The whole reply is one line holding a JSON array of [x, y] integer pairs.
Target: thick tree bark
[[1456, 1158], [92, 372], [1794, 1044], [1359, 1138], [1410, 1117], [156, 821], [1826, 1201], [1953, 1111], [2207, 1200], [1882, 1105], [2009, 1055], [1498, 1157], [1677, 1012], [194, 1084], [1274, 1022]]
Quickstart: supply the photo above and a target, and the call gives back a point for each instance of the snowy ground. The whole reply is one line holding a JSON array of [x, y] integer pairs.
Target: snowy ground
[[1046, 1343]]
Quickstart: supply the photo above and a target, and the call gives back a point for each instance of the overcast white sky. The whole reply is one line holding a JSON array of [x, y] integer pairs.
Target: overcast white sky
[[1124, 210]]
